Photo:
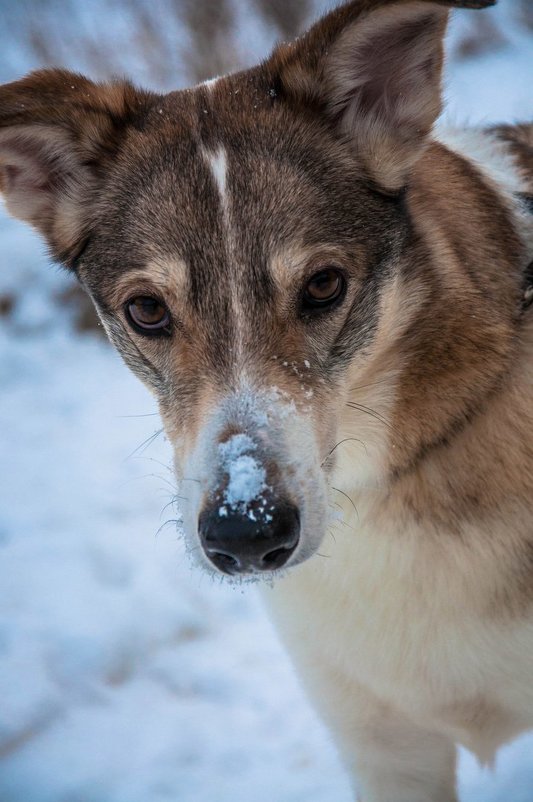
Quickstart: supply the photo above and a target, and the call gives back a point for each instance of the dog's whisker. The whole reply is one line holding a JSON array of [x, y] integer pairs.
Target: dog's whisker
[[367, 386], [146, 415], [145, 476], [342, 523], [175, 521], [158, 462], [349, 499], [369, 411], [340, 443], [146, 444], [372, 412], [170, 484], [172, 502]]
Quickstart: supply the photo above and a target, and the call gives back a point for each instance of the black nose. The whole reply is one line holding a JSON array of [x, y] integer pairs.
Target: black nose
[[246, 542]]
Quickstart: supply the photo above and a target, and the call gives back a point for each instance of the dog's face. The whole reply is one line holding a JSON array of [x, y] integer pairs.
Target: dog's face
[[249, 249], [240, 283]]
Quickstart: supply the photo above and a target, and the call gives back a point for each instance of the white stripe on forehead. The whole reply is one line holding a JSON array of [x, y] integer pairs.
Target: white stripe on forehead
[[217, 162], [218, 165]]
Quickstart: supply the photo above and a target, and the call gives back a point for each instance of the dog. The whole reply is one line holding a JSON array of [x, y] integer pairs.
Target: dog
[[330, 299]]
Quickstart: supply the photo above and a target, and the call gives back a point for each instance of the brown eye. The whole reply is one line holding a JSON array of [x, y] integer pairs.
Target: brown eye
[[324, 288], [148, 315]]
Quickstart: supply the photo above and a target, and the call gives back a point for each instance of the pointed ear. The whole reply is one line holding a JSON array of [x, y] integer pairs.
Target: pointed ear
[[58, 133], [373, 67]]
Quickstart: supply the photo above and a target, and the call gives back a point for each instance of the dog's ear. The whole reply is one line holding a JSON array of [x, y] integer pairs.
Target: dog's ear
[[58, 133], [373, 67]]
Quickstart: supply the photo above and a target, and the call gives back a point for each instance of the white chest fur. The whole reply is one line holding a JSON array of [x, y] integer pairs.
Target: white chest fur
[[403, 617]]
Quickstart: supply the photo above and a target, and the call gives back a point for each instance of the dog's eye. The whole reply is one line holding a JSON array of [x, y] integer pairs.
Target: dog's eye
[[324, 288], [148, 315]]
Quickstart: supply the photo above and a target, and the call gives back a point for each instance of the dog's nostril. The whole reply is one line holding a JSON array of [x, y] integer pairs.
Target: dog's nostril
[[277, 558], [224, 562]]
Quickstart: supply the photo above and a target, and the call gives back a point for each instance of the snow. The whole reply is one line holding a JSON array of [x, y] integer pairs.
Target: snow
[[246, 481], [246, 477], [124, 675]]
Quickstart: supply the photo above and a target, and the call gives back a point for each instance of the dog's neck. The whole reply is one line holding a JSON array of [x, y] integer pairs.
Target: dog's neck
[[449, 472]]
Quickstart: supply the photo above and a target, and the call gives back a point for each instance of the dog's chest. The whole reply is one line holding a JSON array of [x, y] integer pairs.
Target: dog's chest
[[364, 607], [380, 613]]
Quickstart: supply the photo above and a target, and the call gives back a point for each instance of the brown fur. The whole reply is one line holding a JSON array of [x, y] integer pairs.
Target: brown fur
[[520, 139]]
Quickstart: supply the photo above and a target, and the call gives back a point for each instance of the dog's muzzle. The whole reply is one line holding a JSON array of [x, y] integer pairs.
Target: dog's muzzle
[[256, 497], [248, 541]]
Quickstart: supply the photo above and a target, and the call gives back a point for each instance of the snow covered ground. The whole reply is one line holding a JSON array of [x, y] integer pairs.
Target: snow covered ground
[[124, 676]]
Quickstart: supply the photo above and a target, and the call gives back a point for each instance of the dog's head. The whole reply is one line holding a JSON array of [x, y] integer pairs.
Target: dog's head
[[250, 251]]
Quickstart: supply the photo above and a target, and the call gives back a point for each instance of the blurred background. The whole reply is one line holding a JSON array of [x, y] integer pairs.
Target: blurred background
[[125, 676]]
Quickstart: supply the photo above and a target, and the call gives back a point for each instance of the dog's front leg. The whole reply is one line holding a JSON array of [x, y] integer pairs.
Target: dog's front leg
[[394, 761], [390, 758]]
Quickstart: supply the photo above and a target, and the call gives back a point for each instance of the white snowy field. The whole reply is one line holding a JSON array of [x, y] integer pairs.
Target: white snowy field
[[124, 675]]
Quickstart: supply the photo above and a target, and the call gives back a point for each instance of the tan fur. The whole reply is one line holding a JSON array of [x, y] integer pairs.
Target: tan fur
[[170, 279]]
